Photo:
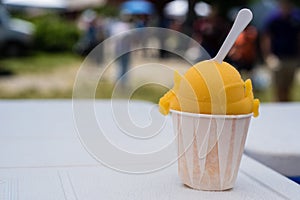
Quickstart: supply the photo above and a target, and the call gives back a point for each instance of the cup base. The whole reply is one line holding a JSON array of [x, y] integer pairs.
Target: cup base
[[210, 150], [210, 189]]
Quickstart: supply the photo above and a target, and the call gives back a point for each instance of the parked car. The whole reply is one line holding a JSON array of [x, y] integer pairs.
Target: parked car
[[16, 35]]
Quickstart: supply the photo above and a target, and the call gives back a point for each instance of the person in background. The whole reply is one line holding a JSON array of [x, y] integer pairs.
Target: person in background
[[91, 26], [214, 29], [123, 45], [243, 53], [141, 21], [281, 47]]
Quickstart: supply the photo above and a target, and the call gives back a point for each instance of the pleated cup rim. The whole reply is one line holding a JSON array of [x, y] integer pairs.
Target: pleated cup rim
[[200, 115]]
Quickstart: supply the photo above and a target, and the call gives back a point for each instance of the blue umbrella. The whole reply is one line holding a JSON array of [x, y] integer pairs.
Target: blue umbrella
[[137, 7]]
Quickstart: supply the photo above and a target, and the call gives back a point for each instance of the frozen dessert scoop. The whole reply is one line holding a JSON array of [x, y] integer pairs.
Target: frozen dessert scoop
[[191, 92], [213, 86]]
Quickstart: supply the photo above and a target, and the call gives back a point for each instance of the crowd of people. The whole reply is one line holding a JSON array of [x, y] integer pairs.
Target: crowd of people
[[277, 45], [281, 47]]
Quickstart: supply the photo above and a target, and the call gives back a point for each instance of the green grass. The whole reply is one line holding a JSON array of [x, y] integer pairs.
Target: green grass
[[39, 63], [43, 63], [36, 94], [150, 93], [296, 92], [268, 95], [264, 95]]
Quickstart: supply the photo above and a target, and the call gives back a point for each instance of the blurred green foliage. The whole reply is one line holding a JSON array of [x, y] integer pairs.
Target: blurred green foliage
[[107, 10], [54, 33]]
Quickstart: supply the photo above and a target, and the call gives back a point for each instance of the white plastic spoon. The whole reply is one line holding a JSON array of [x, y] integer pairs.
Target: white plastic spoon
[[241, 21]]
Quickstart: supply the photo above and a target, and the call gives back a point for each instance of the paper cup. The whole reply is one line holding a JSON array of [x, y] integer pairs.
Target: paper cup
[[210, 148]]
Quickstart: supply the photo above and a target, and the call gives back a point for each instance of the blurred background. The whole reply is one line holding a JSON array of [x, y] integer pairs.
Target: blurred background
[[43, 43]]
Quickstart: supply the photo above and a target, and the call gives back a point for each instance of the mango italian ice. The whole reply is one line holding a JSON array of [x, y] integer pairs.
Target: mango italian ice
[[210, 87]]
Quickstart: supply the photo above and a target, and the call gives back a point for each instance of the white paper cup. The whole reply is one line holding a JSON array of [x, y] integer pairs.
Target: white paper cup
[[210, 148]]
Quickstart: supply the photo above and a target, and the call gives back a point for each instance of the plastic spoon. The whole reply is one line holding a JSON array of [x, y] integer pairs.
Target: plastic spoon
[[241, 21]]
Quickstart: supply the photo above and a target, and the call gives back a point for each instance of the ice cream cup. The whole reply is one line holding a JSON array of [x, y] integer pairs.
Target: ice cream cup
[[210, 148]]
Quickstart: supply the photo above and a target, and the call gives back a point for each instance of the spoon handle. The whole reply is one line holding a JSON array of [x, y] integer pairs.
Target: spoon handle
[[241, 21]]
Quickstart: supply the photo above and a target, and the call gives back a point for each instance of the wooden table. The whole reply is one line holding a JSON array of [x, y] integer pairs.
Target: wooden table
[[42, 157]]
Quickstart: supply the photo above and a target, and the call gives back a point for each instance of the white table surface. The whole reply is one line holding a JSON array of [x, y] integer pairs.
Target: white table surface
[[274, 137], [42, 158]]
